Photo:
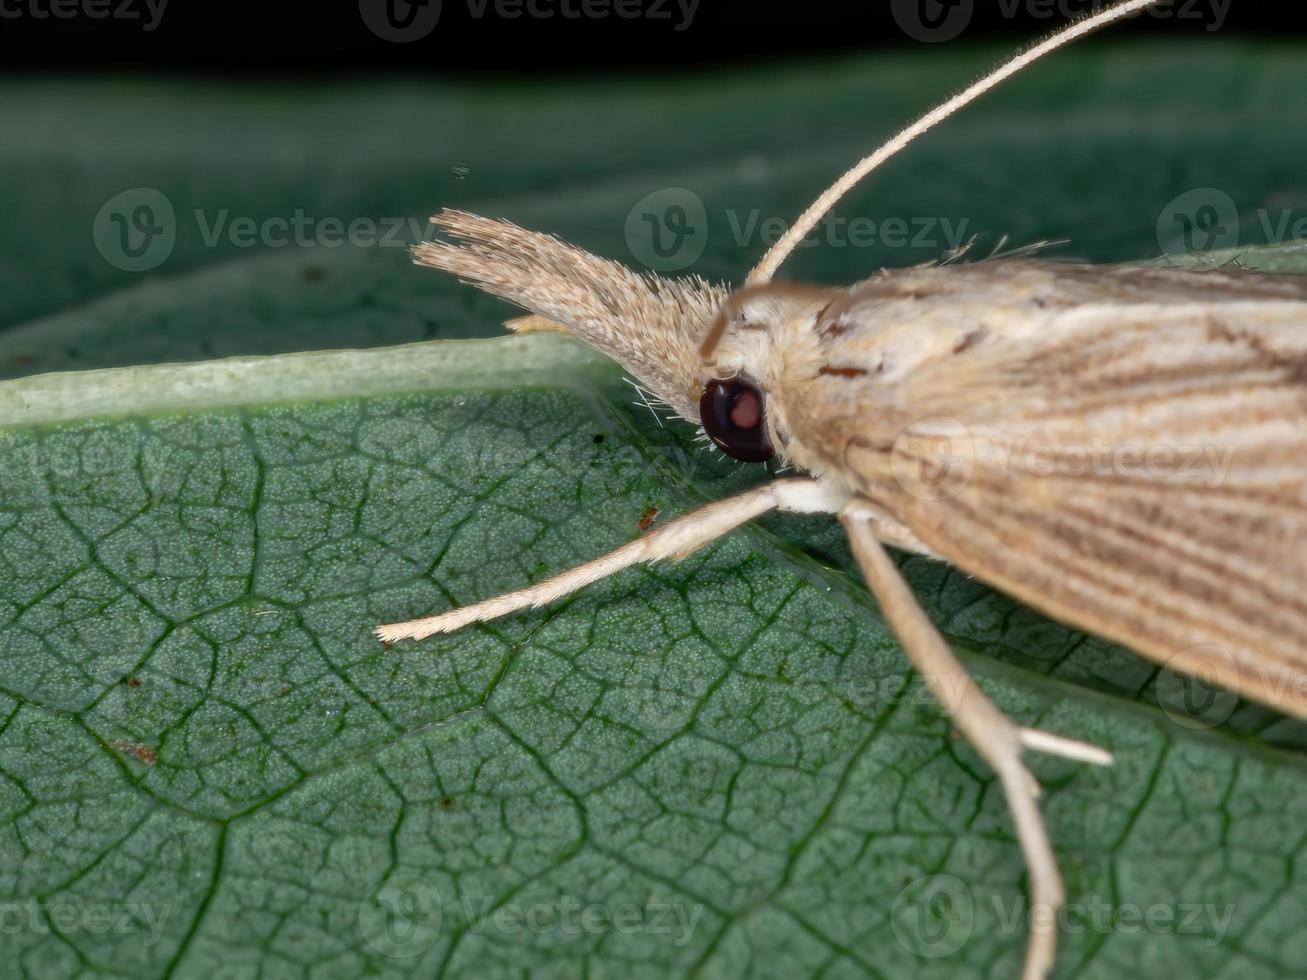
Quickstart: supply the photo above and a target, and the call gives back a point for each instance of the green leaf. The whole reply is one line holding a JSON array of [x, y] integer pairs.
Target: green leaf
[[202, 740], [207, 764]]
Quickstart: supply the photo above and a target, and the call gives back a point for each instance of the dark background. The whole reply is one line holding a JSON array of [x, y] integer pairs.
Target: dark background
[[202, 37]]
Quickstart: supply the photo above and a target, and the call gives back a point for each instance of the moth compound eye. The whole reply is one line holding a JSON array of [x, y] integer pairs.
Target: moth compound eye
[[733, 415]]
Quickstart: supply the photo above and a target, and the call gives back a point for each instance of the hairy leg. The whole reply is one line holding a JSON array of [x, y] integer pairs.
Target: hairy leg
[[675, 539], [997, 738]]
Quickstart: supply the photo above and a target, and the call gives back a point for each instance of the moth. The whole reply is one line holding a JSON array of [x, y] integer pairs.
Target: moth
[[901, 398]]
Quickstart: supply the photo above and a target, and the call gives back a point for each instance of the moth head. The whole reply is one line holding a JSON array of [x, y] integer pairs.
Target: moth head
[[715, 357], [650, 325], [749, 349]]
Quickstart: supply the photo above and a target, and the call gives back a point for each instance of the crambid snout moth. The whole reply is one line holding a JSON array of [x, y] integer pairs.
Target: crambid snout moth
[[911, 402]]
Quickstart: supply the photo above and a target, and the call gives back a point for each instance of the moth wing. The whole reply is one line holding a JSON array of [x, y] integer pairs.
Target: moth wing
[[1135, 467]]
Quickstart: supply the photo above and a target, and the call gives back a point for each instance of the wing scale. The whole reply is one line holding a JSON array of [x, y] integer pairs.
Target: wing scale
[[1122, 448]]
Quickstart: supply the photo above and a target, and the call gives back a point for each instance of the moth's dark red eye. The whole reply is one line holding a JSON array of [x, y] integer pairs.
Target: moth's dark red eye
[[734, 416]]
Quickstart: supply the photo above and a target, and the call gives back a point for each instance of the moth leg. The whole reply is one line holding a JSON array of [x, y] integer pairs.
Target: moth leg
[[676, 539], [891, 532], [996, 737]]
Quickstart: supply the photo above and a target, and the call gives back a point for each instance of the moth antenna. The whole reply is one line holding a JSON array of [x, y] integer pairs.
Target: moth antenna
[[779, 252]]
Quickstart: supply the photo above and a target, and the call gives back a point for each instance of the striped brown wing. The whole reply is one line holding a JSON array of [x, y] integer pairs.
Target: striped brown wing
[[1134, 464]]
